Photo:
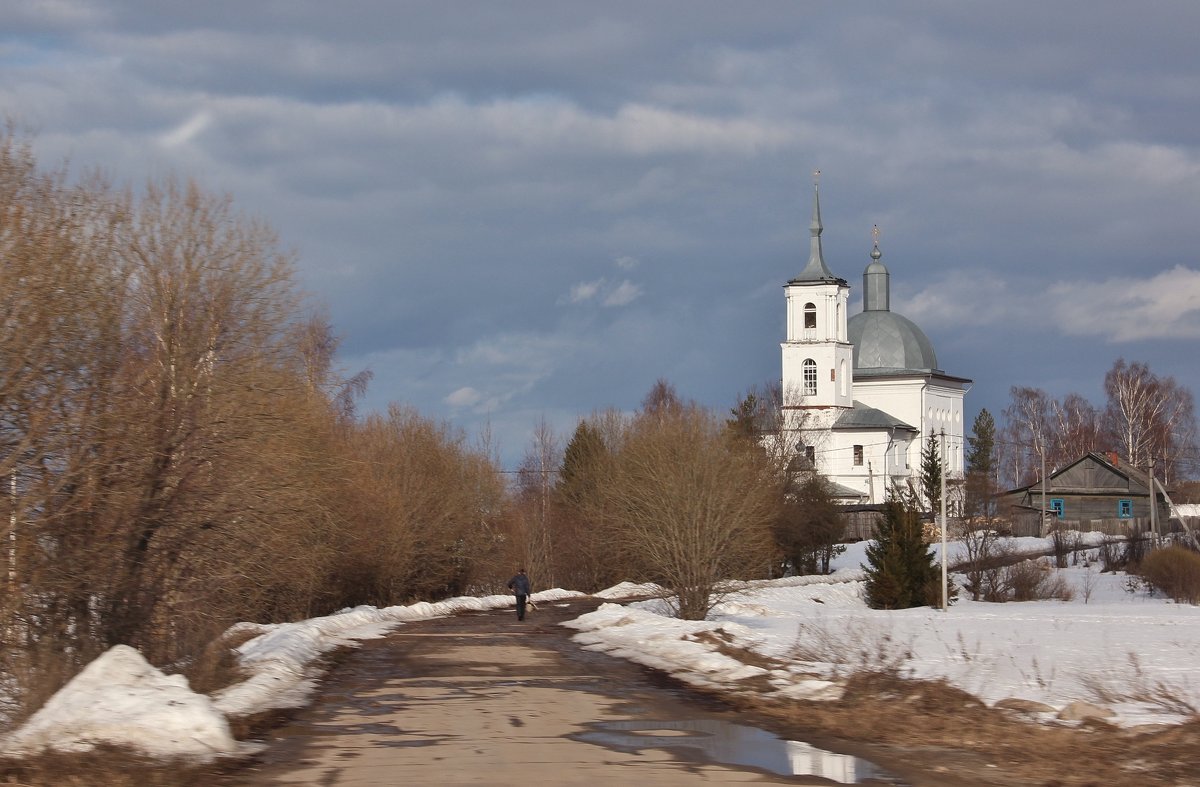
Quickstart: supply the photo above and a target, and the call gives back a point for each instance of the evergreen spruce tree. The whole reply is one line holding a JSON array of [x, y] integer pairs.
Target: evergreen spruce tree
[[901, 571], [931, 472], [577, 480], [981, 465]]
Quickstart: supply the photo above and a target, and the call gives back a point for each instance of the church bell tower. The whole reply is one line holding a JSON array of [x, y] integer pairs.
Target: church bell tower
[[817, 355]]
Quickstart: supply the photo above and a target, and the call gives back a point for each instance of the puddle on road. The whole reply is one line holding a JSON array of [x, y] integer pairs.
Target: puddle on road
[[736, 744]]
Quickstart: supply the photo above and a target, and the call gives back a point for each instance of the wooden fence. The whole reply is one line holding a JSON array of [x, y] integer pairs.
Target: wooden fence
[[1026, 524], [860, 523]]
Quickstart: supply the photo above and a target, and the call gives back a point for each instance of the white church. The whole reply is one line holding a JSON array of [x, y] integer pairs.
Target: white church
[[862, 394]]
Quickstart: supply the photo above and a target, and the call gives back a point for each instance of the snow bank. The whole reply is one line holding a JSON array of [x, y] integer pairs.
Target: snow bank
[[121, 699], [630, 590], [689, 650], [1127, 651], [283, 661]]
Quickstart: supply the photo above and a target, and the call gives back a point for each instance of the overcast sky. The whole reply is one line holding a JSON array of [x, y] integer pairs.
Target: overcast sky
[[526, 209]]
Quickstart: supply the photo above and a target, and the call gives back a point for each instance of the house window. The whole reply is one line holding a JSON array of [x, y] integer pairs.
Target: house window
[[810, 377], [1056, 505], [810, 453], [858, 456], [810, 315], [1125, 509]]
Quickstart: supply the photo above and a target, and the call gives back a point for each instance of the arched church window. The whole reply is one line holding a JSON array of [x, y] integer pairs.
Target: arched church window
[[810, 315], [810, 377]]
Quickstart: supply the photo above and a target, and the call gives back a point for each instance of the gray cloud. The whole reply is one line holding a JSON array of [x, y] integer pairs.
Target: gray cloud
[[469, 187]]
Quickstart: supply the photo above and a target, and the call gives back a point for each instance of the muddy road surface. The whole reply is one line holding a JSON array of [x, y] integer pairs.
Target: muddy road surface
[[485, 699]]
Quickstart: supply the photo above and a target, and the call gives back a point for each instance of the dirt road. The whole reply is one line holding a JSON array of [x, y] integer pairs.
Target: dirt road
[[485, 699]]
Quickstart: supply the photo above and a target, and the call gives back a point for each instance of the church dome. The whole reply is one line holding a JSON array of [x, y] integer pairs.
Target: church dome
[[883, 339], [886, 340]]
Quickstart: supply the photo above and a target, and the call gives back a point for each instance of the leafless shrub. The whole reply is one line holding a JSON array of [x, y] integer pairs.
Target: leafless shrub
[[851, 649], [1175, 572], [1088, 584], [1136, 547], [1111, 554], [687, 504], [418, 507], [1063, 545], [1135, 685], [1031, 580], [1023, 579], [981, 545], [989, 556]]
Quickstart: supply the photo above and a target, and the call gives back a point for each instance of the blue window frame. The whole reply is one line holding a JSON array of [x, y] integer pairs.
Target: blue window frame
[[1125, 509], [1056, 505]]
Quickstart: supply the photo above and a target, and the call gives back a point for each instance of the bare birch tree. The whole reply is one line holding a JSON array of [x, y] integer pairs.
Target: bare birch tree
[[1149, 417], [1026, 435]]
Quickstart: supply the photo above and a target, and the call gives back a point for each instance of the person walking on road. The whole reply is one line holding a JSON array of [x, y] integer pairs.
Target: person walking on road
[[519, 585]]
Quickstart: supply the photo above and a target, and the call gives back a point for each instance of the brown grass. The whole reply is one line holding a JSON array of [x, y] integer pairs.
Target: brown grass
[[216, 667], [936, 734], [108, 766]]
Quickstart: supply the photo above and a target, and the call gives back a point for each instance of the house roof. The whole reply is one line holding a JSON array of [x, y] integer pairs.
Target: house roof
[[839, 492], [862, 416], [930, 375], [1092, 456]]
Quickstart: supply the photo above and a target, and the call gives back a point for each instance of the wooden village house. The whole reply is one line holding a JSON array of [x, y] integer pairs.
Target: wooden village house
[[1093, 493]]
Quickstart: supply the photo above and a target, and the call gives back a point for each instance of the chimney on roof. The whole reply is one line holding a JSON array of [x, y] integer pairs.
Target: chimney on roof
[[1113, 459]]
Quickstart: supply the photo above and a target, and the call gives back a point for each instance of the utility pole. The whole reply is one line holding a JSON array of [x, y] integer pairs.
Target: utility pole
[[1153, 505], [1042, 516], [945, 591]]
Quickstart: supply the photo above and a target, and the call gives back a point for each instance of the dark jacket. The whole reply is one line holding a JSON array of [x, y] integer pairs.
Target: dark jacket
[[519, 585]]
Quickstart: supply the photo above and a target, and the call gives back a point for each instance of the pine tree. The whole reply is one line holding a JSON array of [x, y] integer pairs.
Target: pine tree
[[931, 472], [981, 465], [901, 571]]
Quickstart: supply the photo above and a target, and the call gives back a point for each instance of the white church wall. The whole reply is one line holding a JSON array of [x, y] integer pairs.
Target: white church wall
[[924, 405], [944, 410]]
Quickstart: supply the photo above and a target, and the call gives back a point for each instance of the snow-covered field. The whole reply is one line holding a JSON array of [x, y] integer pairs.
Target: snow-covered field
[[1131, 653], [1128, 652]]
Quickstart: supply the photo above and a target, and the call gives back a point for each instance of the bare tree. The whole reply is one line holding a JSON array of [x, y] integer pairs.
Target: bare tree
[[662, 400], [1076, 429], [1136, 407], [688, 506], [417, 507], [536, 510], [1149, 417], [1026, 435], [157, 437]]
